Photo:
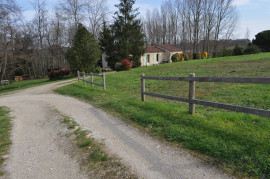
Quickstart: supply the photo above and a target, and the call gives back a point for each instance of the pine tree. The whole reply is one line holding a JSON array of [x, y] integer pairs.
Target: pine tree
[[84, 52], [127, 35], [106, 43]]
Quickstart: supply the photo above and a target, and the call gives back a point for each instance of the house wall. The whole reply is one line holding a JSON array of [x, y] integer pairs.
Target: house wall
[[153, 60]]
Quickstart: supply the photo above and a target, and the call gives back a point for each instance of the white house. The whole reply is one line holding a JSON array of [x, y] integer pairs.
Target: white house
[[159, 54]]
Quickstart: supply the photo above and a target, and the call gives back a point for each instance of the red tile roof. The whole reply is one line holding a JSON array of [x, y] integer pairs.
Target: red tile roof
[[170, 48], [152, 49]]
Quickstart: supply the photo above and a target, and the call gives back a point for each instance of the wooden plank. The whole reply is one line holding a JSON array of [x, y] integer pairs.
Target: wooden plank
[[98, 84], [213, 79], [259, 112], [83, 78], [191, 94], [104, 81], [142, 87], [92, 80], [93, 83], [89, 74]]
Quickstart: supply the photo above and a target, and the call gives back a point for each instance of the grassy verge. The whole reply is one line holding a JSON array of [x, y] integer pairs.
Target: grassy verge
[[14, 86], [5, 127], [98, 162], [239, 142]]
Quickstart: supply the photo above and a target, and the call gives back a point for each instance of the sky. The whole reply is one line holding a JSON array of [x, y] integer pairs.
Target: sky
[[254, 14]]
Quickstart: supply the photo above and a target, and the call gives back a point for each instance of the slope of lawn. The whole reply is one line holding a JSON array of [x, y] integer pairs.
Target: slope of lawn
[[238, 142], [5, 127]]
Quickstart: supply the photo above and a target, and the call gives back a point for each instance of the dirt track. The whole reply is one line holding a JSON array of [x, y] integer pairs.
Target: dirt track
[[36, 152]]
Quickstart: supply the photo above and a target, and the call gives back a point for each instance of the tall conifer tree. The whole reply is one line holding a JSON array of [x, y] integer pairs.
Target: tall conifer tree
[[126, 34]]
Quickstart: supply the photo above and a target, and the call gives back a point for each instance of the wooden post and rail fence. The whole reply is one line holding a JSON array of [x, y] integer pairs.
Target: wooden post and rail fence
[[92, 79], [192, 101]]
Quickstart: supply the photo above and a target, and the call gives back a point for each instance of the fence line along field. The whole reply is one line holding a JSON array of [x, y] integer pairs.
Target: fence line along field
[[192, 101], [238, 142]]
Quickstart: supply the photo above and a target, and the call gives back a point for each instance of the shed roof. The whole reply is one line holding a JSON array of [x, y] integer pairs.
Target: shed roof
[[170, 48], [153, 49]]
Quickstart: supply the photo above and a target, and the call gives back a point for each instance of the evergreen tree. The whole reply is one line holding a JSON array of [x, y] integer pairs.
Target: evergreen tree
[[106, 43], [127, 38], [84, 52], [262, 40]]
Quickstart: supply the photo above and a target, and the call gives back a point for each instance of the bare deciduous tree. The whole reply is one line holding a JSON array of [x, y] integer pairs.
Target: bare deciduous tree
[[97, 11], [41, 24], [9, 15], [195, 25]]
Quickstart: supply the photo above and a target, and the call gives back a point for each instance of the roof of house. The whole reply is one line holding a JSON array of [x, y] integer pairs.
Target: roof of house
[[170, 48], [153, 49]]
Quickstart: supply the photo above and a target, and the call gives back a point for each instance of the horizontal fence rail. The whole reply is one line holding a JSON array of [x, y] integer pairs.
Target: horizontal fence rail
[[92, 79], [213, 79], [192, 101]]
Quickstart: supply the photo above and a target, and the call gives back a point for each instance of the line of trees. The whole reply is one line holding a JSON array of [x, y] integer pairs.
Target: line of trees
[[193, 25], [31, 47]]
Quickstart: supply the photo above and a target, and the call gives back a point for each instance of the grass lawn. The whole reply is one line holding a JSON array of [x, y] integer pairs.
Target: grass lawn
[[238, 142], [5, 127], [25, 84]]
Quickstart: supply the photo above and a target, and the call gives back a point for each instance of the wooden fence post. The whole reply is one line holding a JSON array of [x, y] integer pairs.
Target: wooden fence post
[[92, 80], [191, 94], [104, 82], [143, 87], [78, 76], [84, 78]]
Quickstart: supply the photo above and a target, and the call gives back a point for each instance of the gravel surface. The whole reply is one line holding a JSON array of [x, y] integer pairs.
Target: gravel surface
[[37, 153]]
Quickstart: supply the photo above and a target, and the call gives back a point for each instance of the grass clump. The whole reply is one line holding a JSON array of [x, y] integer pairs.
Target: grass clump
[[5, 128], [100, 165], [239, 142]]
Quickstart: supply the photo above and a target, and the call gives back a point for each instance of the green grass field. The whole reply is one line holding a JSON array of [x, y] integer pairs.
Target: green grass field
[[5, 127], [14, 86], [238, 142]]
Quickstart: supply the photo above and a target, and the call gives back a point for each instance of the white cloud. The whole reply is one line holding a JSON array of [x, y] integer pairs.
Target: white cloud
[[241, 2]]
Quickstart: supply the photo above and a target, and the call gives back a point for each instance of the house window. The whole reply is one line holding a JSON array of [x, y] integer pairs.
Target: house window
[[157, 58], [148, 58]]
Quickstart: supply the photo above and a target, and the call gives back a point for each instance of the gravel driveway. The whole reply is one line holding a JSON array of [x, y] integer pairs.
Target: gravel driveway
[[37, 153]]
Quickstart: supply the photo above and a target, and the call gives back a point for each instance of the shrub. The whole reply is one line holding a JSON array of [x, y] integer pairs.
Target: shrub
[[118, 66], [204, 55], [98, 70], [181, 57], [198, 55], [186, 57], [194, 56], [126, 64], [175, 58], [238, 51], [58, 73], [226, 52], [252, 49], [189, 56]]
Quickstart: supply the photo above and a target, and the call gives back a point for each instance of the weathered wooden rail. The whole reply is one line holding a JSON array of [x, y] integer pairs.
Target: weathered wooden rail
[[192, 101], [84, 75]]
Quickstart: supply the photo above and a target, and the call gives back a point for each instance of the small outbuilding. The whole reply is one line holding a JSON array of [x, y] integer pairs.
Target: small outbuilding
[[159, 54]]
